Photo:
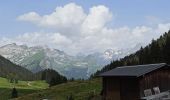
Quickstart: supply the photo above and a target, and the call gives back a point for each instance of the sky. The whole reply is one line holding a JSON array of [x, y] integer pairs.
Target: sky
[[84, 26]]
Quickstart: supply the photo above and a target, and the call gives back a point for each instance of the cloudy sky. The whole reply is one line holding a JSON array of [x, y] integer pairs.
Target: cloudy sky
[[85, 26]]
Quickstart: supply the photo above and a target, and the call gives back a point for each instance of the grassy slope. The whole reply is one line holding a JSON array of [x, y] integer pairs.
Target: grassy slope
[[79, 89], [22, 87], [9, 69]]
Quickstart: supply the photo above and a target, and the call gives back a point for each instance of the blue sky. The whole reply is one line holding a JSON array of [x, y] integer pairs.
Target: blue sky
[[128, 12], [125, 13]]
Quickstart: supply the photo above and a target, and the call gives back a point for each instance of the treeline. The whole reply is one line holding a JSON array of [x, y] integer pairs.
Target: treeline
[[51, 77], [158, 51]]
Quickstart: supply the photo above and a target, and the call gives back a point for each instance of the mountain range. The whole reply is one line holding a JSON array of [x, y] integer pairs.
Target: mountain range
[[38, 58]]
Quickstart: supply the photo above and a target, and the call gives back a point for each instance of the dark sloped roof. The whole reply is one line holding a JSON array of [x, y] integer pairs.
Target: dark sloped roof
[[136, 70]]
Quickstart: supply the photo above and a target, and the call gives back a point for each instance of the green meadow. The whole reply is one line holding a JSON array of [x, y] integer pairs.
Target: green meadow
[[79, 90], [23, 87]]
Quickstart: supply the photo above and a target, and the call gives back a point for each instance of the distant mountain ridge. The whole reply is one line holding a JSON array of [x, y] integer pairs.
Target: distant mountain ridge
[[38, 58]]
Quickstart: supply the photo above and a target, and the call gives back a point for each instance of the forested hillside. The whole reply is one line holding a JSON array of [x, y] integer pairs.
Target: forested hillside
[[158, 51], [51, 77], [10, 70]]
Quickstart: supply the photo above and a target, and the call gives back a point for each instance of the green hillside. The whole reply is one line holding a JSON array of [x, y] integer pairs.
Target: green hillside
[[80, 90], [11, 70], [23, 87]]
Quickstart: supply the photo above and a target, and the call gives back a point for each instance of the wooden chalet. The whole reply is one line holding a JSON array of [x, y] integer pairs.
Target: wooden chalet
[[130, 82]]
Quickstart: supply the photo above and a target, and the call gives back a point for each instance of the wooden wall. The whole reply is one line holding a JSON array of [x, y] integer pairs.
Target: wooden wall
[[158, 78], [111, 88], [116, 88], [129, 89]]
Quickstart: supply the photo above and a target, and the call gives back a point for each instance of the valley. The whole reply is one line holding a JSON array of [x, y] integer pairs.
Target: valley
[[84, 50]]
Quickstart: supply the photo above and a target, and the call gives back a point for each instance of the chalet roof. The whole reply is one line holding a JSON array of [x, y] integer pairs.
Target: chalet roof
[[136, 70]]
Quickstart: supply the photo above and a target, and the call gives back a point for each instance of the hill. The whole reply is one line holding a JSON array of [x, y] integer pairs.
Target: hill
[[11, 70], [80, 90], [23, 87], [158, 51]]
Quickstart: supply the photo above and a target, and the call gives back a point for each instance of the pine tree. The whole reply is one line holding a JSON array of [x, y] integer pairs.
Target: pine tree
[[14, 93], [70, 97], [52, 82]]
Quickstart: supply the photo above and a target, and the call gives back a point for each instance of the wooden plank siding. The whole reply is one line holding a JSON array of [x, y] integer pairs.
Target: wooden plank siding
[[116, 88], [158, 78], [129, 88], [111, 88]]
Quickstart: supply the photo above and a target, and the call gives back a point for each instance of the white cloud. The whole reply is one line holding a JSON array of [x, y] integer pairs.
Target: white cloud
[[96, 20], [31, 16], [52, 39], [77, 31], [38, 38], [163, 27], [139, 31], [69, 17]]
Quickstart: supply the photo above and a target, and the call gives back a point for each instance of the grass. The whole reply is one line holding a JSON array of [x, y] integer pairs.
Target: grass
[[23, 87], [80, 90]]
